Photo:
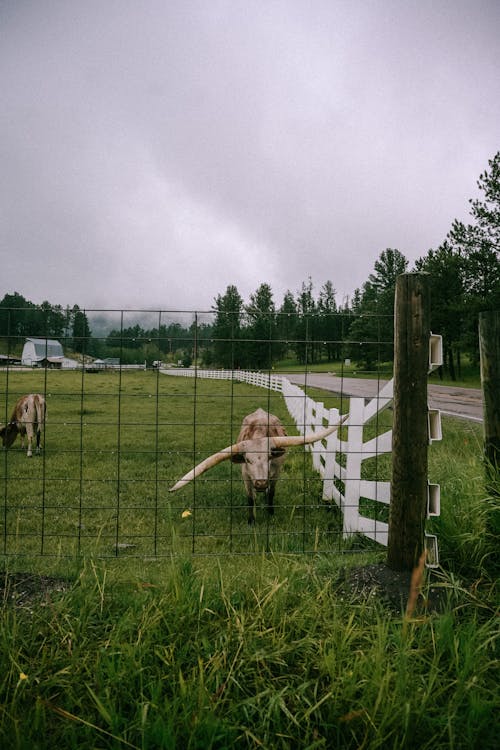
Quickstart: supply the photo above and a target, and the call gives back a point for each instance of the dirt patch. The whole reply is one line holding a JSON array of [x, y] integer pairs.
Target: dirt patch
[[375, 582], [27, 590], [391, 587]]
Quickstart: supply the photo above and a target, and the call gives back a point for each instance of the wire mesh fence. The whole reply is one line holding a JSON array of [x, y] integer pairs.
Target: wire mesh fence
[[120, 431]]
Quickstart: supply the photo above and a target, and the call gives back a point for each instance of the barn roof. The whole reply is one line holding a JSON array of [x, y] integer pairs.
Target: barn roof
[[46, 347]]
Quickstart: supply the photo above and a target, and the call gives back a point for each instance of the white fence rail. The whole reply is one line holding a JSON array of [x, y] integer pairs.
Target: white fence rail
[[338, 461]]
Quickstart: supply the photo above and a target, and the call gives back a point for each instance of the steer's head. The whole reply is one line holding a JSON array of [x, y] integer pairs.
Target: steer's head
[[8, 434], [256, 457]]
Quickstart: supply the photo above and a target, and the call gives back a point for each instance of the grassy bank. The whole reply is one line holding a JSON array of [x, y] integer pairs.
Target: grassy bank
[[262, 652]]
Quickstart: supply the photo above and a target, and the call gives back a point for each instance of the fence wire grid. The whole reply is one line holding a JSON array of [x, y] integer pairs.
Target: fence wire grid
[[120, 431]]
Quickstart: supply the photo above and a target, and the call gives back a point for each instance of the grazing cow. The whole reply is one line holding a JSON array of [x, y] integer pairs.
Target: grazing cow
[[27, 419], [261, 452]]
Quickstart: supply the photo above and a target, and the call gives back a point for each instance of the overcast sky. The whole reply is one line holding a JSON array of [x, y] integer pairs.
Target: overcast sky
[[154, 151]]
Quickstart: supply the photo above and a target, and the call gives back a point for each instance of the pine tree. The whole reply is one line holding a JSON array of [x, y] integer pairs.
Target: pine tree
[[260, 331], [228, 329]]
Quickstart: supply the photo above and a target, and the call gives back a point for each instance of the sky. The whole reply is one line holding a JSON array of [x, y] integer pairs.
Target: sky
[[153, 152]]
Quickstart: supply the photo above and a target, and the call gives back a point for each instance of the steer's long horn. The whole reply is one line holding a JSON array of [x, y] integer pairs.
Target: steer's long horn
[[217, 458], [287, 441]]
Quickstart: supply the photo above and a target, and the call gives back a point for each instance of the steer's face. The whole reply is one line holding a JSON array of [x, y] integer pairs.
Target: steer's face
[[8, 434], [260, 462]]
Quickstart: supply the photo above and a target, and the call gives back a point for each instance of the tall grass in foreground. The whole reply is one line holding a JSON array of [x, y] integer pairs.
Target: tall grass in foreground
[[269, 653]]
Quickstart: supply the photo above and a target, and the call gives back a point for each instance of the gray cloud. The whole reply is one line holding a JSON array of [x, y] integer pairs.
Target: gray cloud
[[153, 152]]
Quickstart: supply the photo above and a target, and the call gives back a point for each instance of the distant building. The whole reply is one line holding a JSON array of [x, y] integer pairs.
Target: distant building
[[46, 353], [42, 353], [109, 363]]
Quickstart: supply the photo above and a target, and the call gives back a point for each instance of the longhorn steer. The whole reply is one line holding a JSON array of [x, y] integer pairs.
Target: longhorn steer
[[260, 450], [27, 419]]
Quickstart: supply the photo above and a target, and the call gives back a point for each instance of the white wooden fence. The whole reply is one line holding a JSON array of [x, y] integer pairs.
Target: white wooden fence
[[342, 482]]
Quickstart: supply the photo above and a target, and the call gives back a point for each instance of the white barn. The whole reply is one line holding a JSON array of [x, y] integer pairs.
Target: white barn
[[42, 353]]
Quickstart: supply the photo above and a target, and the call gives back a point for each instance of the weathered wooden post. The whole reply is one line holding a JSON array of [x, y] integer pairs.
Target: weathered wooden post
[[410, 438], [489, 348]]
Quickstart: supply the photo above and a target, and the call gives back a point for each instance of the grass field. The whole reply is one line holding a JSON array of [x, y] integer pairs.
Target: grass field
[[219, 650], [113, 446], [114, 443]]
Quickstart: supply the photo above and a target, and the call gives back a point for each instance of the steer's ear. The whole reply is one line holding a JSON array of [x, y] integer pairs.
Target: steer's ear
[[237, 458], [277, 452]]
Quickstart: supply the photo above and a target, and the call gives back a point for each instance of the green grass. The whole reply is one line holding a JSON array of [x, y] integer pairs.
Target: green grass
[[266, 652], [217, 650], [464, 527], [114, 445]]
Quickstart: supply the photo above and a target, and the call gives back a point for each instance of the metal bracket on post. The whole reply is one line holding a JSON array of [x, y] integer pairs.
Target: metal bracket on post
[[435, 351], [435, 433], [433, 500], [431, 548], [434, 423]]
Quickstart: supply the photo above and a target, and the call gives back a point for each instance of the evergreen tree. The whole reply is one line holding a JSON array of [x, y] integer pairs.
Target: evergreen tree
[[372, 330], [16, 317], [81, 331], [478, 244], [306, 344], [260, 331], [52, 320], [286, 324], [330, 325], [465, 272], [447, 300], [388, 267], [228, 329], [200, 335]]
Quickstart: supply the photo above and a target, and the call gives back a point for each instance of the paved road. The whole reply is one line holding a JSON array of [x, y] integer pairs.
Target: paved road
[[459, 402]]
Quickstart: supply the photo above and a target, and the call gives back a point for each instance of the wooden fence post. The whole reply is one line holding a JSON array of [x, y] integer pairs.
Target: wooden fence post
[[410, 438], [489, 349]]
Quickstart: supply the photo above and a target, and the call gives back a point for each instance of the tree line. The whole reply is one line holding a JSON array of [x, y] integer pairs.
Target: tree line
[[20, 318], [464, 276]]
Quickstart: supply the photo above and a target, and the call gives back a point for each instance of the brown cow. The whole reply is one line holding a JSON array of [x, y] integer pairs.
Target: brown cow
[[28, 419], [260, 450]]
